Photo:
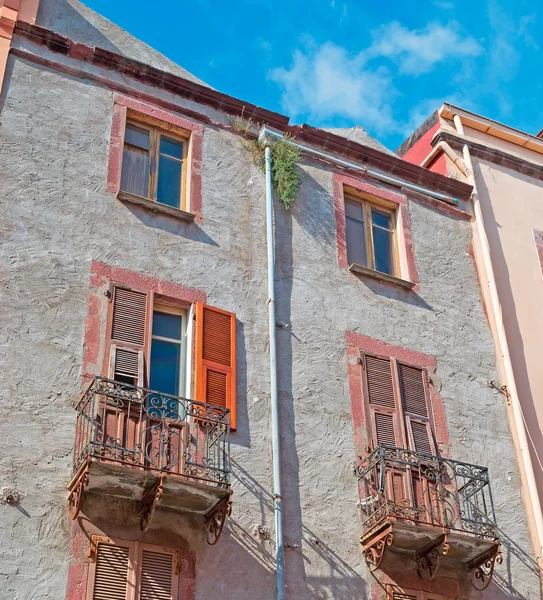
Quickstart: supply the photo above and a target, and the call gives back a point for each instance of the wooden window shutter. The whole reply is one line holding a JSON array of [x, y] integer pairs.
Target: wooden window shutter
[[215, 358], [128, 334], [414, 392], [383, 412], [157, 577], [111, 572]]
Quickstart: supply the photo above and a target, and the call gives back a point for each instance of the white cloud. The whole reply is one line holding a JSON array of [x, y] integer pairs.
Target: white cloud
[[418, 51], [325, 82]]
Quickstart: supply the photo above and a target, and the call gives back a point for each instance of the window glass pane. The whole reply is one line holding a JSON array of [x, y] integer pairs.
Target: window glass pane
[[381, 219], [354, 209], [165, 366], [356, 242], [135, 171], [169, 182], [136, 136], [382, 243], [166, 325], [171, 147]]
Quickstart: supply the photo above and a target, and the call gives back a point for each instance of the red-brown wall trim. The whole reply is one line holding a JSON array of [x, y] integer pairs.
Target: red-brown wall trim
[[101, 275], [123, 104], [404, 237], [355, 343]]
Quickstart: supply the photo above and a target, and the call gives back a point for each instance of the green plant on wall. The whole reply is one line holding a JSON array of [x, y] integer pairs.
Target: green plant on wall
[[284, 156]]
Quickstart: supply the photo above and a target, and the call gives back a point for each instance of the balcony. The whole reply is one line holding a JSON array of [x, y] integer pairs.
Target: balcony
[[433, 507], [152, 448]]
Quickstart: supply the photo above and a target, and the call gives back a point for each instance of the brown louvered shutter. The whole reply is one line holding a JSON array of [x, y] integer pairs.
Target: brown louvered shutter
[[156, 577], [414, 394], [379, 387], [215, 358], [111, 572], [129, 322]]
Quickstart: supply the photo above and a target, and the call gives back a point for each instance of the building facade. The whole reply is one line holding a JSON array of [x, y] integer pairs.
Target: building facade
[[506, 167], [134, 258]]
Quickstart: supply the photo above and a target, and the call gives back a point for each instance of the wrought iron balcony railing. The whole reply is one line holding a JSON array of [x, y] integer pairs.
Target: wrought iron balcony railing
[[425, 490], [133, 426], [433, 506]]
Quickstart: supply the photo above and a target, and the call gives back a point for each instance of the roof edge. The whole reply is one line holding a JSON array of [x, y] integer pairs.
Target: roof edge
[[417, 134], [228, 104]]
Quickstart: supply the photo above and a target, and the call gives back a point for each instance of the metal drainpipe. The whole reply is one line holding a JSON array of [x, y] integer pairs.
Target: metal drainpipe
[[504, 346], [264, 132], [277, 498]]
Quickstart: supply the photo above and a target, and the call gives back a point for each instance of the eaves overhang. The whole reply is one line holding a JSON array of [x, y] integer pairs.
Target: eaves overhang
[[206, 96]]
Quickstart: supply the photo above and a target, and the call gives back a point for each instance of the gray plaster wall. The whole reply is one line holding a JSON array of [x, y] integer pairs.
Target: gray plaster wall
[[58, 217]]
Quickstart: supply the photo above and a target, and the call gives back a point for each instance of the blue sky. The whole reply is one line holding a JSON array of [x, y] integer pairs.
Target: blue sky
[[336, 63]]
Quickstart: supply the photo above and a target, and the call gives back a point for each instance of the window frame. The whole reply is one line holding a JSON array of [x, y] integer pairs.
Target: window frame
[[369, 203], [184, 367], [419, 594], [155, 134], [135, 553], [400, 416]]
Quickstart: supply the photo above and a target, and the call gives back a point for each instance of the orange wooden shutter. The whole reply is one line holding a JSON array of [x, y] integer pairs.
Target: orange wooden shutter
[[157, 580], [414, 393], [215, 358], [111, 572], [379, 387], [128, 334]]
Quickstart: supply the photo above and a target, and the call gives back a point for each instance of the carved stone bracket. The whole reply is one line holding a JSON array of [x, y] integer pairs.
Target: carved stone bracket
[[76, 494], [374, 550], [429, 557], [483, 567], [216, 518], [151, 498]]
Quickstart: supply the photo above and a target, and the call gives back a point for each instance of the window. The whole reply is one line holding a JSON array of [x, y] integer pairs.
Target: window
[[154, 164], [398, 404], [397, 593], [148, 347], [132, 571], [370, 235], [168, 350]]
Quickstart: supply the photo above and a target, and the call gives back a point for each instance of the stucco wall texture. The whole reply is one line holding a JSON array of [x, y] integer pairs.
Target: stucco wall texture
[[58, 217]]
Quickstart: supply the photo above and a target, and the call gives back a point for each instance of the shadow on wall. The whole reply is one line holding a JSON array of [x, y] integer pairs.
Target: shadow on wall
[[170, 224], [502, 581]]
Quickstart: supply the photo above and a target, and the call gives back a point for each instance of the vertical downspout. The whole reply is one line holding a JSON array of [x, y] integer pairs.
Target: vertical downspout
[[277, 498], [504, 347]]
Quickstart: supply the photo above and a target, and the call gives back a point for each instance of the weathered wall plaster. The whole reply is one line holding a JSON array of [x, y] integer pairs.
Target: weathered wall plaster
[[59, 217]]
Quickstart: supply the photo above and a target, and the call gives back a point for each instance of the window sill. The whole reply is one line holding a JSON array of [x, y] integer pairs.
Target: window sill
[[360, 270], [155, 206]]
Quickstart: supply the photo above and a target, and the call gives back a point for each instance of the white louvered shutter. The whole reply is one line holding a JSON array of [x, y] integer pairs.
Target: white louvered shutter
[[111, 572], [414, 393], [156, 576]]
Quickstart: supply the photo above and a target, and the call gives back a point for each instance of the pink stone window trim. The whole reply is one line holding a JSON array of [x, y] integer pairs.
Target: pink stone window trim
[[357, 343], [129, 107], [101, 276], [408, 268]]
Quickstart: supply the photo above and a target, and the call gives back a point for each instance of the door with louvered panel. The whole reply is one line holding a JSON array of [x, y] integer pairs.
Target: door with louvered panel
[[385, 424], [132, 571], [111, 576], [157, 580], [215, 358]]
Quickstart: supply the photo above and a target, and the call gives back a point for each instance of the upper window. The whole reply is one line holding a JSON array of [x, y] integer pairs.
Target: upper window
[[132, 571], [154, 164], [371, 237]]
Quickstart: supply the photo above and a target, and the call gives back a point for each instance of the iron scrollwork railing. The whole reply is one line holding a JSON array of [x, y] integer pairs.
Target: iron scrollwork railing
[[425, 490], [122, 423]]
